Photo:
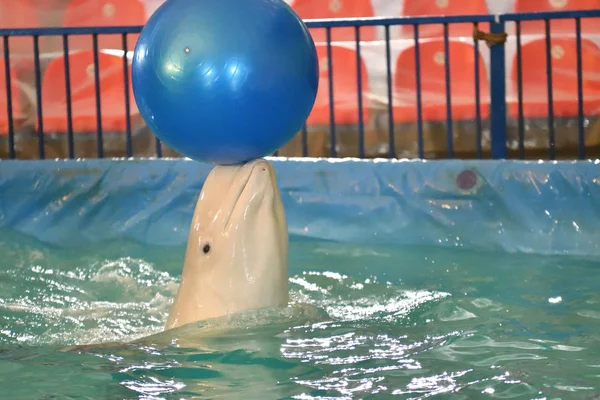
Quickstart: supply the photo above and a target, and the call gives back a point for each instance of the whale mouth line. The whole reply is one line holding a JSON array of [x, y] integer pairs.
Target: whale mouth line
[[238, 195]]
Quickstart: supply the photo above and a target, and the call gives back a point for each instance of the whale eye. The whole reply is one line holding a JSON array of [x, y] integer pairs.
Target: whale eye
[[206, 248]]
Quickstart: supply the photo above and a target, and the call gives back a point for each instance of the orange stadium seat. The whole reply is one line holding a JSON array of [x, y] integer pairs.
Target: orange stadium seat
[[443, 7], [564, 78], [345, 89], [588, 25], [18, 14], [83, 93], [313, 9], [433, 83], [104, 13], [15, 96]]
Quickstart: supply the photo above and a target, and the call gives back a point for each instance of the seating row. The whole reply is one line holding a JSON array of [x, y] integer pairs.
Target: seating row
[[27, 13], [310, 9], [463, 82], [433, 86]]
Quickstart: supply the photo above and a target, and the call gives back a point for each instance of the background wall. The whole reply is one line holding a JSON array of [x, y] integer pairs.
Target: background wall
[[28, 13]]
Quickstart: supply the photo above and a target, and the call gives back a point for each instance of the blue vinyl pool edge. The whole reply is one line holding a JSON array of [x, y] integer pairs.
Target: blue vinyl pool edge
[[513, 206]]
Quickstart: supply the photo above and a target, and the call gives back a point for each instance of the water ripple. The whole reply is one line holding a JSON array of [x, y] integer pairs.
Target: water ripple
[[408, 324]]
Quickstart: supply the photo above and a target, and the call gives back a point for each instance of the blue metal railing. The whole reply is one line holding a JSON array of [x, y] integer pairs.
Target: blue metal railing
[[386, 23], [498, 120], [65, 33], [547, 17]]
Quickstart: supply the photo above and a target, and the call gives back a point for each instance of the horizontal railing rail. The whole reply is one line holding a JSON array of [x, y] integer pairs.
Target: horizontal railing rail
[[381, 21], [312, 23], [58, 31], [424, 95]]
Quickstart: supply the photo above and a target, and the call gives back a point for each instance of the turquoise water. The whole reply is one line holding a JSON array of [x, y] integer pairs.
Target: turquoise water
[[405, 323]]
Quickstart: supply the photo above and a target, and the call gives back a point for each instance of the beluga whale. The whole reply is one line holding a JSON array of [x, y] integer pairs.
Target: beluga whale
[[237, 252], [235, 270]]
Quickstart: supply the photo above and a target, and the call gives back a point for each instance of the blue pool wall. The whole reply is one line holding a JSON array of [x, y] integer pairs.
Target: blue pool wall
[[513, 206]]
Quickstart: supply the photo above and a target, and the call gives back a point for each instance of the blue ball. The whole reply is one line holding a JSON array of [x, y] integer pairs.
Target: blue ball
[[225, 81]]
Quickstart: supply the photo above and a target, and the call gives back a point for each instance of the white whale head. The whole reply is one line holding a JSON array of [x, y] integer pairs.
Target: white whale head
[[237, 251]]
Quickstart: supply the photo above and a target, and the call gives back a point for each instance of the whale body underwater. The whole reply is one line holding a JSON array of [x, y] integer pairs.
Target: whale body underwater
[[235, 270]]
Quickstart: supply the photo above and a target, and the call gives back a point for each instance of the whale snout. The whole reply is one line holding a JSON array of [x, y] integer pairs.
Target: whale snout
[[262, 176], [260, 165]]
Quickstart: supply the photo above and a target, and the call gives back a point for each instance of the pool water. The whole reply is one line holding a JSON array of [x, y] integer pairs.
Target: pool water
[[407, 323]]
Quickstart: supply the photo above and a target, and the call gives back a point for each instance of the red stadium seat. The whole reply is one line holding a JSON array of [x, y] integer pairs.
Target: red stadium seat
[[564, 78], [345, 89], [104, 13], [433, 83], [314, 9], [18, 14], [17, 113], [443, 7], [83, 93], [588, 25]]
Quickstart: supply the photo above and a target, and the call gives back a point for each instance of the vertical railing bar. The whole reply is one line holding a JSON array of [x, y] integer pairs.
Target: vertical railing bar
[[521, 118], [498, 93], [361, 132], [388, 60], [100, 142], [551, 142], [9, 105], [449, 133], [420, 143], [70, 138], [332, 140], [304, 141], [581, 141], [158, 147], [38, 90], [129, 144], [477, 99]]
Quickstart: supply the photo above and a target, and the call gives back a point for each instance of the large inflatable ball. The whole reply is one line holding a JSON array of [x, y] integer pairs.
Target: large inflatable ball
[[225, 81]]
